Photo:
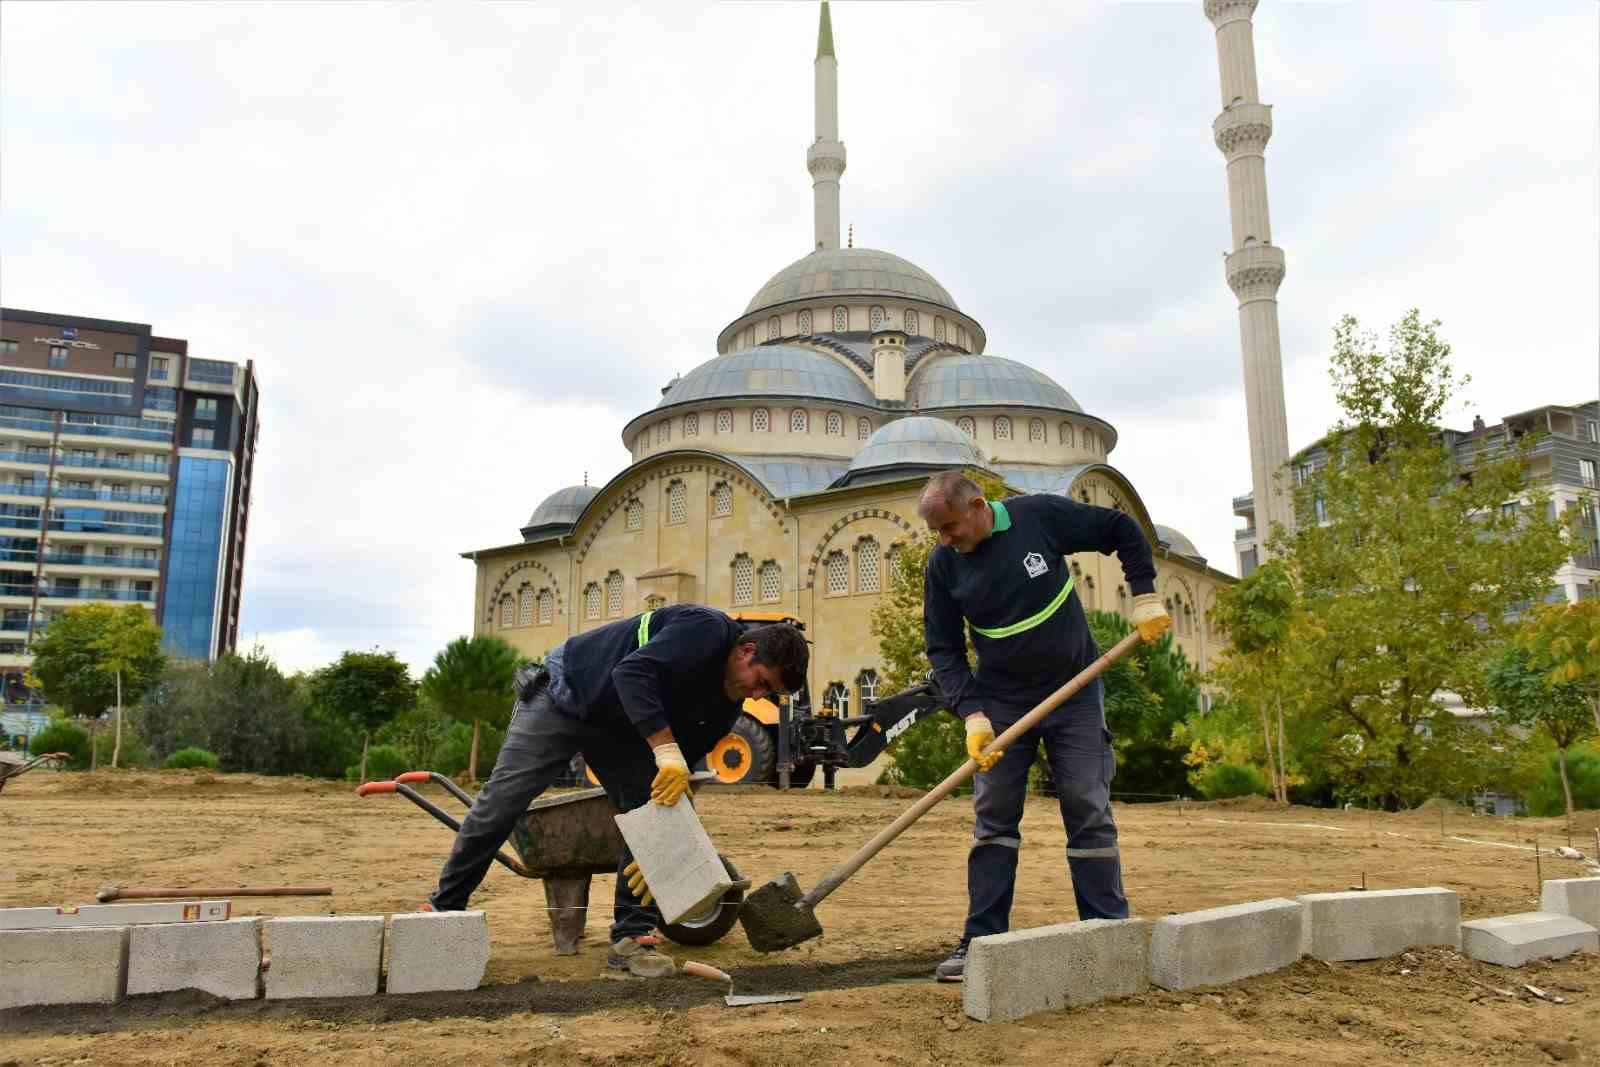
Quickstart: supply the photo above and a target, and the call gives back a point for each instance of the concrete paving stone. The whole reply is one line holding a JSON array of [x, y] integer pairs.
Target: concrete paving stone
[[324, 956], [1220, 945], [220, 958], [1019, 973], [1378, 923], [84, 966], [678, 860], [1513, 940], [1577, 897], [432, 952]]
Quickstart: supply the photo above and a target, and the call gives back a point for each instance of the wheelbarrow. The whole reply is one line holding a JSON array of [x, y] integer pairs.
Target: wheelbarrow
[[564, 840], [13, 765]]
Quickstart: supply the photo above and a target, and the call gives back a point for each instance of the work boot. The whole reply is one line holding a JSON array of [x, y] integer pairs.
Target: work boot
[[953, 969], [638, 956]]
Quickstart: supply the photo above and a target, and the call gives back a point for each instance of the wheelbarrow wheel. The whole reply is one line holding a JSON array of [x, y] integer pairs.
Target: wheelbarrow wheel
[[709, 928]]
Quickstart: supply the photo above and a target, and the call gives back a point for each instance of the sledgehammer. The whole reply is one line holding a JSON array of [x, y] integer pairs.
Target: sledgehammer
[[777, 916]]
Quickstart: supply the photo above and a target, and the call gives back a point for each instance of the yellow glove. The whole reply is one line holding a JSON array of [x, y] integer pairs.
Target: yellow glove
[[1149, 617], [980, 733], [636, 884], [672, 775]]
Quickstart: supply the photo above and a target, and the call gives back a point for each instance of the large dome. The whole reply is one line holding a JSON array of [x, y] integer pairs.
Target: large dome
[[960, 380], [914, 443], [769, 370], [562, 507], [850, 272]]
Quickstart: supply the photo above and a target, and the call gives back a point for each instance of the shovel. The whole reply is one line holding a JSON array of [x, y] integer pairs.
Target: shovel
[[777, 916]]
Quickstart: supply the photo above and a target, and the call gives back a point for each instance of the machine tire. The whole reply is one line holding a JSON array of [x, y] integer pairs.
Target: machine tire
[[710, 928], [746, 756], [800, 775]]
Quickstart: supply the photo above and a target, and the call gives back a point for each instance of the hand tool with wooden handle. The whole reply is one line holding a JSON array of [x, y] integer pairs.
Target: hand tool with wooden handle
[[115, 892]]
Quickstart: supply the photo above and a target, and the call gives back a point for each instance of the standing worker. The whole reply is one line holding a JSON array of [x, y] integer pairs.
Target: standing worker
[[642, 699], [999, 569]]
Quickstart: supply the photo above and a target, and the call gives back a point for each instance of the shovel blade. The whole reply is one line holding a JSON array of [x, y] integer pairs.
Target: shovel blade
[[775, 918]]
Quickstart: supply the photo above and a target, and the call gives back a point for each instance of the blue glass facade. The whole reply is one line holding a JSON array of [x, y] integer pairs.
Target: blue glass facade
[[194, 560]]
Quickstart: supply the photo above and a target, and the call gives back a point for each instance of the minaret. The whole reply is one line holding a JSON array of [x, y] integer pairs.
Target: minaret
[[1255, 266], [825, 157]]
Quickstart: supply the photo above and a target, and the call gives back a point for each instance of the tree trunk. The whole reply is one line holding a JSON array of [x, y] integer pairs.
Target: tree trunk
[[1566, 787], [1597, 714], [1283, 758], [94, 750], [366, 740], [1266, 739], [472, 760], [116, 749]]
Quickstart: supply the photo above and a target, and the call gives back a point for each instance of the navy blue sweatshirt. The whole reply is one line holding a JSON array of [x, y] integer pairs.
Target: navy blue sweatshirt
[[603, 677], [1010, 576]]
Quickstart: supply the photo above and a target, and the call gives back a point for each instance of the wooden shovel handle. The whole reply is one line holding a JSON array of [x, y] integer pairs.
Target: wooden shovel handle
[[112, 892], [836, 877]]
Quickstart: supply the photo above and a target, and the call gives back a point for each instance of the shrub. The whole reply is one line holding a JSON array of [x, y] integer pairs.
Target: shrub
[[63, 736], [1583, 771], [191, 758], [926, 754], [451, 756], [383, 763], [1224, 780]]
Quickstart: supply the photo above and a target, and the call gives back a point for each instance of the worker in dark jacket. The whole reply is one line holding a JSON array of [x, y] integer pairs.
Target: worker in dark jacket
[[999, 571], [643, 700]]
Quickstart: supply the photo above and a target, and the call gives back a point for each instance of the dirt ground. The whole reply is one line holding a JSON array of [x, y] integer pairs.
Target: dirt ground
[[868, 996]]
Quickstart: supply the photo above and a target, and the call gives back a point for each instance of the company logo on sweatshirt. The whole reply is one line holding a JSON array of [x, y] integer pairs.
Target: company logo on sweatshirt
[[1034, 564]]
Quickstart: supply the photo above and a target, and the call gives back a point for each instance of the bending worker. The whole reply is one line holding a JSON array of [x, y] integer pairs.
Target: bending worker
[[999, 569], [643, 700]]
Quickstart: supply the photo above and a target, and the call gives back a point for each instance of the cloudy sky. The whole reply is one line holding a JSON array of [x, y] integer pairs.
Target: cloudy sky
[[464, 243]]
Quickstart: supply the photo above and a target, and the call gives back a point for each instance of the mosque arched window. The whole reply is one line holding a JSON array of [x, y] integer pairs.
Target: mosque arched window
[[633, 515], [834, 424], [911, 322], [677, 503], [867, 686], [722, 500], [743, 583], [508, 611], [938, 328], [836, 698], [867, 565], [547, 607], [803, 322], [771, 582], [691, 425], [774, 328], [1002, 428], [893, 560], [837, 570], [663, 431], [967, 425], [1066, 434], [799, 421], [863, 428], [724, 421], [525, 606], [878, 318], [591, 600], [841, 319], [614, 594], [760, 420], [1036, 431]]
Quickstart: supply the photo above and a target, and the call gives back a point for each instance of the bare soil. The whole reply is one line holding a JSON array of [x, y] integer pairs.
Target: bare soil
[[868, 997]]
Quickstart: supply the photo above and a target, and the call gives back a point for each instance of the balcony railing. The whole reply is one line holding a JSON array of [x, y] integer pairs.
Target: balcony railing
[[1246, 534], [97, 430], [89, 593], [112, 463], [83, 559], [22, 488], [41, 458], [68, 492], [27, 424]]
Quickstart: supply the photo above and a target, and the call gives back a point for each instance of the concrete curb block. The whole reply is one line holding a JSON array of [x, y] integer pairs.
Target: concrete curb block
[[432, 952], [1221, 945], [87, 966], [1022, 972], [1377, 924], [221, 958], [324, 956], [1513, 940], [1577, 897], [677, 858]]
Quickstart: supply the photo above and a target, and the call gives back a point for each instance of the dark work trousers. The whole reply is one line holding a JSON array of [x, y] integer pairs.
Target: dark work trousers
[[1078, 747], [540, 743]]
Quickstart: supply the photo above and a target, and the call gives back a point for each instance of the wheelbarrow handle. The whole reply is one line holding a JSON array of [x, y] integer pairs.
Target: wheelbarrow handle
[[373, 788]]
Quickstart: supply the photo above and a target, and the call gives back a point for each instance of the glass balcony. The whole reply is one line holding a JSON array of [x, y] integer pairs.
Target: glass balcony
[[112, 463], [22, 489], [77, 559], [15, 625], [209, 370], [81, 593], [22, 423], [1246, 534], [19, 555], [95, 430], [73, 493], [41, 458]]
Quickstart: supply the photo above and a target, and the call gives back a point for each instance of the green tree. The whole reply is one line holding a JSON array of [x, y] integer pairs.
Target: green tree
[[471, 680], [1564, 640], [1581, 779], [1523, 693], [418, 733], [1257, 616], [243, 708], [93, 656], [63, 736], [367, 689], [1407, 566], [1148, 694]]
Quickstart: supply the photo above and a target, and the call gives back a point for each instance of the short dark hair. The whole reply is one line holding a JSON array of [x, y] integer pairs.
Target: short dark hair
[[781, 647]]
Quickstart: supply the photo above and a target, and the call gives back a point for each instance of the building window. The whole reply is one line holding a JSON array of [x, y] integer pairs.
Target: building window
[[722, 500], [1586, 468], [836, 699], [867, 565], [614, 594], [760, 420], [878, 318], [663, 431], [774, 328], [1321, 507], [525, 606], [1002, 428], [911, 322], [691, 425], [799, 421], [1065, 431], [591, 600], [967, 425], [867, 686], [1594, 432], [938, 328], [863, 428], [771, 582], [724, 421], [123, 360], [547, 607], [834, 424], [633, 515], [841, 319], [893, 561], [158, 368], [205, 409], [837, 569], [202, 437], [8, 348], [508, 611], [58, 355], [1089, 443], [803, 322], [677, 503], [961, 336], [743, 580], [1036, 431]]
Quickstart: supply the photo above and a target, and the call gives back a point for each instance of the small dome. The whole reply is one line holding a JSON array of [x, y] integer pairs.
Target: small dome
[[962, 380], [850, 272], [562, 507], [770, 370], [912, 443], [1177, 541]]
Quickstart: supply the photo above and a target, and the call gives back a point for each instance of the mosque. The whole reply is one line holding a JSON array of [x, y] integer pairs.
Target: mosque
[[782, 474]]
